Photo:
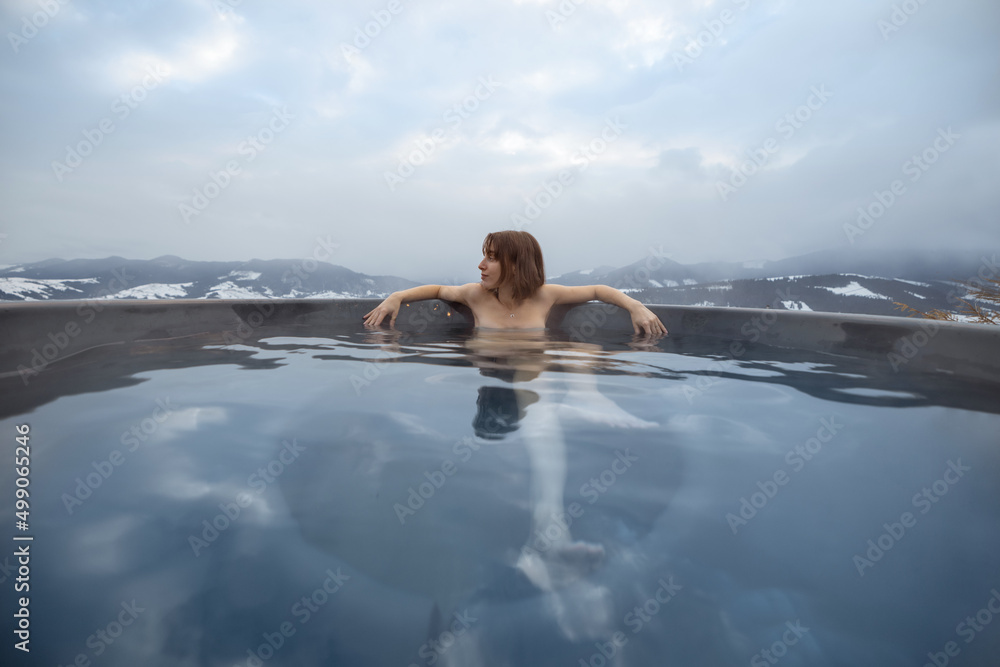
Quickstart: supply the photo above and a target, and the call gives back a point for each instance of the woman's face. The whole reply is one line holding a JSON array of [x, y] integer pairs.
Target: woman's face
[[489, 271]]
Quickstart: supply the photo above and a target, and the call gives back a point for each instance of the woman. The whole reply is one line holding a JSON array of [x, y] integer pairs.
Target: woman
[[512, 293]]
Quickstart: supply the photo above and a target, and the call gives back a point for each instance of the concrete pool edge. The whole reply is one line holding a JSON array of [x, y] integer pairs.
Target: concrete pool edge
[[40, 332]]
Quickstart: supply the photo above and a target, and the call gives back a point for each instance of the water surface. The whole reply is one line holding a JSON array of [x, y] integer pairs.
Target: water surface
[[378, 498]]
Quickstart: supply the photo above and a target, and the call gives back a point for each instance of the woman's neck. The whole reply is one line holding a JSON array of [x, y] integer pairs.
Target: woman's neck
[[505, 295]]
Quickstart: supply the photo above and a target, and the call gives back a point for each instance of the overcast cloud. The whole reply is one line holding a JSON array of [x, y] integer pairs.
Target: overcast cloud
[[407, 145]]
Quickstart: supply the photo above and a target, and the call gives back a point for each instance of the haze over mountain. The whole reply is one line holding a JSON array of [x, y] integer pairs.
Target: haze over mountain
[[856, 282], [171, 277]]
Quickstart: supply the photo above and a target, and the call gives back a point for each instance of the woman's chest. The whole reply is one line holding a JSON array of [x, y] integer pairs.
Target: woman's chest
[[530, 314]]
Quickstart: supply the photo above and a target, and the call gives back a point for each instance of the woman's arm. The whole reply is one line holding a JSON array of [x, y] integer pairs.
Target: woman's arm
[[616, 297], [584, 293], [643, 319], [419, 293], [390, 307]]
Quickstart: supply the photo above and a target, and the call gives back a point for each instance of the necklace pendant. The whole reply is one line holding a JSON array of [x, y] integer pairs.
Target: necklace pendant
[[512, 314]]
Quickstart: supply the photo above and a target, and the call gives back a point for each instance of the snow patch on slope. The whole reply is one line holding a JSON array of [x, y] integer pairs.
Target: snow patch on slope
[[23, 287], [854, 289], [155, 291], [796, 305], [230, 290]]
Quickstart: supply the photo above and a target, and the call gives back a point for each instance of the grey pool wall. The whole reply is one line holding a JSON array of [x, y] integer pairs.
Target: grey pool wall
[[39, 333]]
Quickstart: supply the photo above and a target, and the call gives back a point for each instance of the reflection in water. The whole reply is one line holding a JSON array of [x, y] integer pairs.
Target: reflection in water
[[537, 488], [521, 358], [498, 411], [543, 391]]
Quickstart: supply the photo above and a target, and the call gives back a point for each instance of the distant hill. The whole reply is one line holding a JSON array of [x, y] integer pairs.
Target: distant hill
[[831, 281], [171, 277], [951, 266]]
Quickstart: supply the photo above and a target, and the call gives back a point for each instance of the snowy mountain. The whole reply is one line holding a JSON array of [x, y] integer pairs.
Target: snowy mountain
[[838, 293], [943, 266], [170, 277], [832, 282]]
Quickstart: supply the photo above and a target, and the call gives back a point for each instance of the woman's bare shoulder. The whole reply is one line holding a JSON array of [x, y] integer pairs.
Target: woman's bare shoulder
[[462, 293], [557, 294]]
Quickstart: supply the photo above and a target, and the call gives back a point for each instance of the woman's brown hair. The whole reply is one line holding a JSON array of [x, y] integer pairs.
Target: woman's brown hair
[[521, 264]]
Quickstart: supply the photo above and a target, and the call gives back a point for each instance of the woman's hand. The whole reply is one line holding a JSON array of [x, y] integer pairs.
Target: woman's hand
[[388, 307], [644, 321]]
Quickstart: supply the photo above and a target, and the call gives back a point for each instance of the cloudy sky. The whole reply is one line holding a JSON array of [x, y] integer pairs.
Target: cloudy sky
[[402, 131]]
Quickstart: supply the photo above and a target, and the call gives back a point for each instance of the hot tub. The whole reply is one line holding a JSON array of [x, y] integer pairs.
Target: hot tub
[[269, 483]]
